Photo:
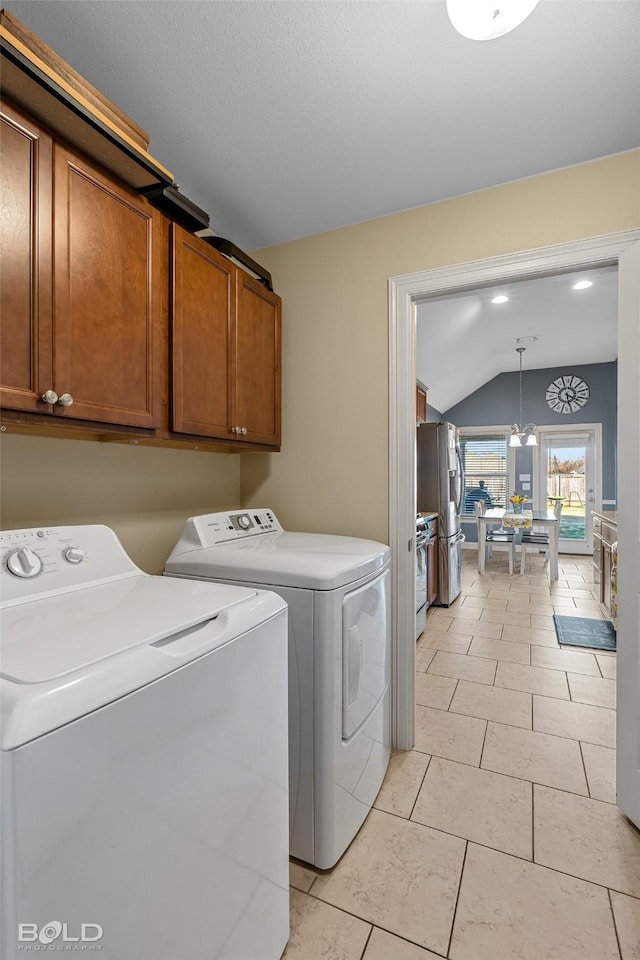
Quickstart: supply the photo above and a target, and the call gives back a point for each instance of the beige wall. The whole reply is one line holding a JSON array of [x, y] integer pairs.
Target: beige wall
[[332, 473], [143, 493]]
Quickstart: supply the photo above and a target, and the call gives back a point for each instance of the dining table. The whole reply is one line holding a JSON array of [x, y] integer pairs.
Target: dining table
[[498, 516]]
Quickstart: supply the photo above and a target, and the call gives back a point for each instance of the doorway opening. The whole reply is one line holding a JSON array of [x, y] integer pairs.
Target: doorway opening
[[404, 292], [468, 346]]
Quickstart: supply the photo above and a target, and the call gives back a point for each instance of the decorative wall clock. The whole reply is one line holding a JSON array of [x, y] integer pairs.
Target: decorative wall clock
[[567, 394]]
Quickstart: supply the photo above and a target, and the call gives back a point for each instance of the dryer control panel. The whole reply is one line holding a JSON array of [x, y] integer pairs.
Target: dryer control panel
[[235, 525]]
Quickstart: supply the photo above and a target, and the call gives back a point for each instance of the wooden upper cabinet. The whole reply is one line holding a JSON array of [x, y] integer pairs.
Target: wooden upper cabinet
[[25, 237], [257, 361], [203, 298], [85, 279], [226, 356], [108, 290]]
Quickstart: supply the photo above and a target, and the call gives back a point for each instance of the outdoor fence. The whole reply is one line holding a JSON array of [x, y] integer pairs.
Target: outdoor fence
[[570, 487]]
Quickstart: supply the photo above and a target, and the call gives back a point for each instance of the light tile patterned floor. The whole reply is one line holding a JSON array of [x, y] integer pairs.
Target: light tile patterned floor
[[498, 837]]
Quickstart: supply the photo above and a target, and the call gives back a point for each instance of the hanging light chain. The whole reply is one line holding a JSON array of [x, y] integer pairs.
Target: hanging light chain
[[520, 351], [518, 429]]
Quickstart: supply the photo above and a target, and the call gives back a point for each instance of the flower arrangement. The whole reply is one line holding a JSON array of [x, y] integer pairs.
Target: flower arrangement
[[516, 498]]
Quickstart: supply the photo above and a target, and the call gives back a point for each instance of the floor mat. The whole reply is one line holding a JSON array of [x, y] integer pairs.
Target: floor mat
[[584, 632]]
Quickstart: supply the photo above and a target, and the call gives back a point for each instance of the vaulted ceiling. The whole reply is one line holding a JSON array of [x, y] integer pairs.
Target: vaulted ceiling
[[463, 341], [286, 119]]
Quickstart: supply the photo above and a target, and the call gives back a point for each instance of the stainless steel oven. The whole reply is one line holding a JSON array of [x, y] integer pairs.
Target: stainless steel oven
[[424, 538]]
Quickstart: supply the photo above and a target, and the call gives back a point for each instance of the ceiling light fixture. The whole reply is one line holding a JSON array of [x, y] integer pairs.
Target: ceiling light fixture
[[522, 436], [488, 19], [582, 285], [500, 299]]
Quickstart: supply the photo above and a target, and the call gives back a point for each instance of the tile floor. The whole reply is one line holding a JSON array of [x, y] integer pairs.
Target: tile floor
[[498, 837]]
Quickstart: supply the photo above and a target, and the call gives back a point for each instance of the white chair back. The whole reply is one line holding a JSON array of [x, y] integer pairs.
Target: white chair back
[[481, 508], [557, 509]]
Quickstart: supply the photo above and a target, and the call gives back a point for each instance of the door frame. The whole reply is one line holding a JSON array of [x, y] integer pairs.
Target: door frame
[[570, 429], [404, 291]]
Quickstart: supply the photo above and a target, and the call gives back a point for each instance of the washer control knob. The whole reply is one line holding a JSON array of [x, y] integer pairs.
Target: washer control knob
[[24, 563], [74, 555], [244, 522]]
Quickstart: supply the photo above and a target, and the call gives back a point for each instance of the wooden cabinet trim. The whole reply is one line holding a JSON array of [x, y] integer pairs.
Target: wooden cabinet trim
[[76, 81], [29, 57]]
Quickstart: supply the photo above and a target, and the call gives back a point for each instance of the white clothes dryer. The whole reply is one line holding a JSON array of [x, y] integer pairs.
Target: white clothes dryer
[[143, 757], [338, 593]]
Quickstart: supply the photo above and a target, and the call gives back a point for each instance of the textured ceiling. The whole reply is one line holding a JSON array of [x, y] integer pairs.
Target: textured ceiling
[[466, 340], [285, 119]]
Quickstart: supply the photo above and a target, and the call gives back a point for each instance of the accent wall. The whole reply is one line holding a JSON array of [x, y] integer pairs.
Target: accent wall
[[496, 402]]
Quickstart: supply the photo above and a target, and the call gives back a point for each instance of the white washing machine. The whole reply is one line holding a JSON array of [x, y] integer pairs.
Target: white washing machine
[[144, 757], [338, 593]]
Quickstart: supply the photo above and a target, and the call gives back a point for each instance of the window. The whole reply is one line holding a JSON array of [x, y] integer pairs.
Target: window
[[486, 462]]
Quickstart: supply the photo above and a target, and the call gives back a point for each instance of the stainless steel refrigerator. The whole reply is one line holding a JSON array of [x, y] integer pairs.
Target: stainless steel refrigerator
[[440, 487]]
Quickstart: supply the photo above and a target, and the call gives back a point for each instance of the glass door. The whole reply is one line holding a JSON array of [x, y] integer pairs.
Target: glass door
[[567, 474]]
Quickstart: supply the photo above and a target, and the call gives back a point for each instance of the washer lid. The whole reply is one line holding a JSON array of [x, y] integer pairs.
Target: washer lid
[[316, 561], [47, 639]]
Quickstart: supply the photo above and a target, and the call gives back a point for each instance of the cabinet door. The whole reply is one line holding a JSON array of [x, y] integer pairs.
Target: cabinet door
[[107, 285], [25, 237], [258, 362], [421, 402], [203, 296]]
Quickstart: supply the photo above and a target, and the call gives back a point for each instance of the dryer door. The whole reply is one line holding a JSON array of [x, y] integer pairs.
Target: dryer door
[[366, 650]]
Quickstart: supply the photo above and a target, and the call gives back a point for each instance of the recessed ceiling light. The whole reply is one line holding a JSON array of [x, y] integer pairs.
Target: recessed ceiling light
[[500, 299], [582, 285]]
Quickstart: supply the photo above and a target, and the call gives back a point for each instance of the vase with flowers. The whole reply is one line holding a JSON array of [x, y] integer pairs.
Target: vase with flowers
[[517, 502]]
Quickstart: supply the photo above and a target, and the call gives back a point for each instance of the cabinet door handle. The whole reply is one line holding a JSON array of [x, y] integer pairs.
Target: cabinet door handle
[[244, 431], [66, 400], [50, 396]]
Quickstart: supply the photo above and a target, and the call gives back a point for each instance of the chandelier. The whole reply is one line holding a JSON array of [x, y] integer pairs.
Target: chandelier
[[522, 436]]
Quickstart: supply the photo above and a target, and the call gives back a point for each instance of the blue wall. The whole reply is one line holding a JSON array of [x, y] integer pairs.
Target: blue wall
[[433, 415], [497, 402]]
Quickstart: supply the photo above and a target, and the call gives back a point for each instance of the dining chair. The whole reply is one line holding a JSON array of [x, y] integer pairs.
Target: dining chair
[[496, 535], [539, 540]]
